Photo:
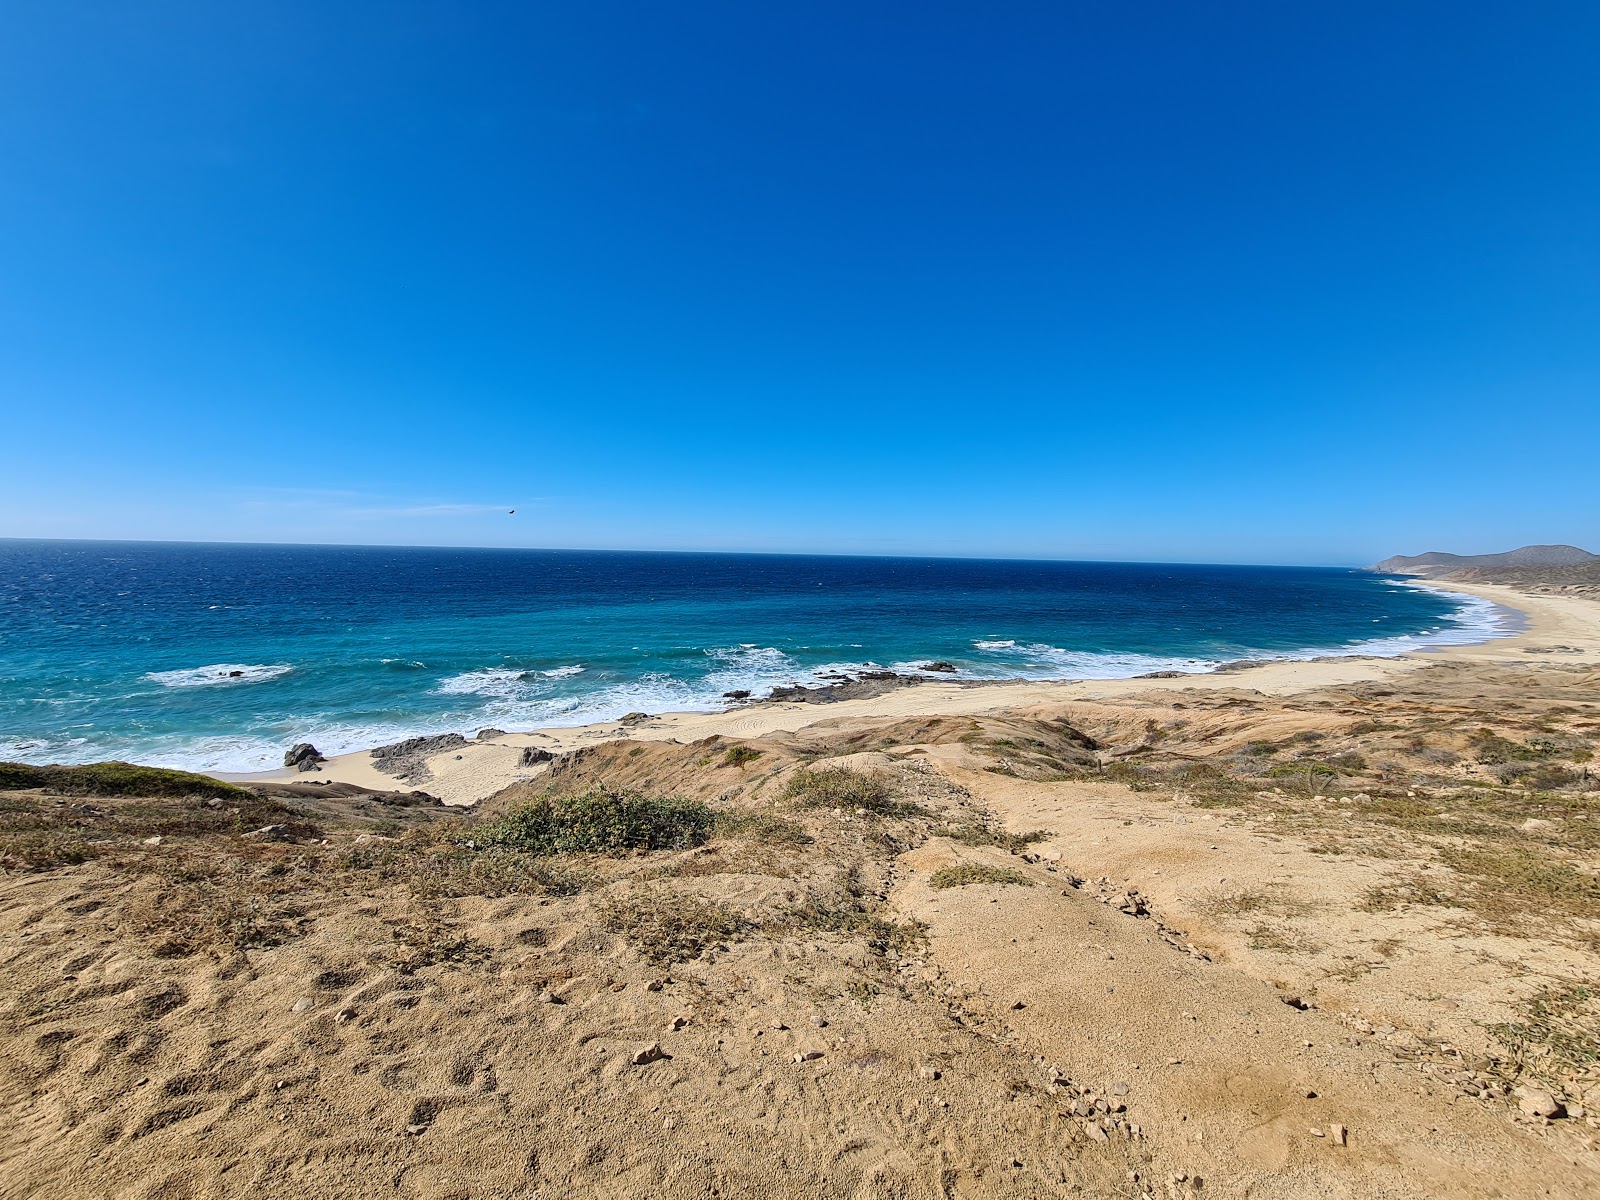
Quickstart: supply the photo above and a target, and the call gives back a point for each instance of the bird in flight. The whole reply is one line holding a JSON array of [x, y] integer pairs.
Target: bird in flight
[[511, 512]]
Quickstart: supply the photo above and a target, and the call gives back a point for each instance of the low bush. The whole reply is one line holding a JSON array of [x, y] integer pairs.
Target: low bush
[[738, 756], [600, 822]]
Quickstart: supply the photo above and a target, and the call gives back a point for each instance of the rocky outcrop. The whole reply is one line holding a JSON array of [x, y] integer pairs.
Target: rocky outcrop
[[303, 756], [940, 666], [408, 760]]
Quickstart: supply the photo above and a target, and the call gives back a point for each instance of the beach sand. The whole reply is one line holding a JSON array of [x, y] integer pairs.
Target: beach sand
[[1564, 629]]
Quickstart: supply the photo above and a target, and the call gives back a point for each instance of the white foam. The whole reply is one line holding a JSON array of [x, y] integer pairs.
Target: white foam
[[564, 672], [219, 674]]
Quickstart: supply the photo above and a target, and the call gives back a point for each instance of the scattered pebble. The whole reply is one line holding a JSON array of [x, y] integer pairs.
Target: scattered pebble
[[808, 1055], [1536, 1102], [648, 1054], [304, 1004]]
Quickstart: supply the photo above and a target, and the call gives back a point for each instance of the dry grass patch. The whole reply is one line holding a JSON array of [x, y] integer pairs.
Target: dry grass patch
[[968, 874], [977, 834], [668, 926], [1558, 1035], [843, 787], [1511, 884]]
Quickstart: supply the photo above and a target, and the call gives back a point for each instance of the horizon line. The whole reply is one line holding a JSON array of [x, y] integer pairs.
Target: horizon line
[[657, 550]]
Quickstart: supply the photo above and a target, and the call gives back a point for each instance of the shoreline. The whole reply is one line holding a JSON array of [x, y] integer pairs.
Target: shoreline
[[462, 775]]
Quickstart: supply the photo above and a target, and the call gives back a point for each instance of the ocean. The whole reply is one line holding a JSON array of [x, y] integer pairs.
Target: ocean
[[219, 657]]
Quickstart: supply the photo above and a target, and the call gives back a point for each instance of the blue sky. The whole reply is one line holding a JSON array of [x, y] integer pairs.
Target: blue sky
[[1230, 282]]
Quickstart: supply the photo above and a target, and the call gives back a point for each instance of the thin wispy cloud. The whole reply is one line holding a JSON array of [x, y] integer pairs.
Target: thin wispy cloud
[[344, 504]]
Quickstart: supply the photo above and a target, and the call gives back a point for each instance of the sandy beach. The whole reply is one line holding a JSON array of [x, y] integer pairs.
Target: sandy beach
[[1564, 628]]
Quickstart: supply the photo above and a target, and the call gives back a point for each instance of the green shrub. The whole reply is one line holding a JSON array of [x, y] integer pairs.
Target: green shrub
[[738, 756], [600, 822]]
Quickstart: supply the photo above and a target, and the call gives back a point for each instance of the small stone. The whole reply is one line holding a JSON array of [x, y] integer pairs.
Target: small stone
[[1536, 1102], [1017, 1005], [810, 1054], [1096, 1134], [267, 833], [345, 1014], [1174, 1062], [655, 985], [820, 1021], [304, 1004], [152, 841], [1315, 1132], [416, 1130], [549, 997], [1338, 1133], [929, 1072], [648, 1054], [1120, 1089], [678, 1023]]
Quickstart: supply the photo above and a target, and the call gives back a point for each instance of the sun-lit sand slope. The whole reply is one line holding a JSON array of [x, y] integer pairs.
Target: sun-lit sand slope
[[1303, 930]]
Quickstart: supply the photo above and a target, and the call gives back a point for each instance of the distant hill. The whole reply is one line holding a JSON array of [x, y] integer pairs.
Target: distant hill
[[1439, 565]]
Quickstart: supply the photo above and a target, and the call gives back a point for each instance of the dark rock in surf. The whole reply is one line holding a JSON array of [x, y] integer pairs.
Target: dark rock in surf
[[942, 667]]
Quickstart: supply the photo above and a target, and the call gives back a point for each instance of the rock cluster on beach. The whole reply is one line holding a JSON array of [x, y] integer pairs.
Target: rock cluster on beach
[[408, 760], [303, 756]]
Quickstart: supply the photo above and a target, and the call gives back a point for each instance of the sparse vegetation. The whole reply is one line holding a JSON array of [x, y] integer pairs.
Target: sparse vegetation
[[740, 756], [975, 834], [968, 874], [759, 827], [842, 787], [492, 872], [671, 926], [1558, 1035]]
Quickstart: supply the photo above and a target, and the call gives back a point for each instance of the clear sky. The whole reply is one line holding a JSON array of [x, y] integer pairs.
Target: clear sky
[[1292, 282]]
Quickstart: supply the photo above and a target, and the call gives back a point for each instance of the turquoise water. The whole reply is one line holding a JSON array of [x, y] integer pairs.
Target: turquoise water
[[220, 657]]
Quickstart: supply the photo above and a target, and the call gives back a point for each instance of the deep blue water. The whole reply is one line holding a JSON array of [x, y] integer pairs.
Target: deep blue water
[[128, 650]]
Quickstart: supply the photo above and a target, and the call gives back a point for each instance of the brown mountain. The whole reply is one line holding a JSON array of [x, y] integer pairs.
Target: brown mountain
[[1439, 565]]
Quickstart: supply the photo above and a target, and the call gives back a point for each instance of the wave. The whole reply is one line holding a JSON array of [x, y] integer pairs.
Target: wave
[[219, 675], [505, 683], [1041, 662]]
